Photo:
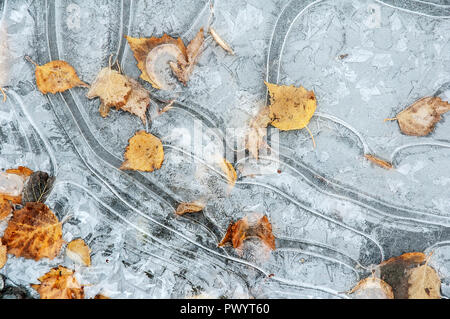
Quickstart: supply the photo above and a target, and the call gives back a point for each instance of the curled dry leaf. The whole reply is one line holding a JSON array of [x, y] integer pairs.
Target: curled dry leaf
[[34, 232], [420, 118], [378, 161], [59, 283], [38, 187], [3, 255], [79, 252], [239, 231], [12, 183], [424, 283], [5, 208], [56, 76], [21, 171], [257, 131], [144, 153], [100, 296], [183, 68], [229, 171], [372, 288], [220, 41], [147, 52], [291, 108], [138, 101], [192, 207]]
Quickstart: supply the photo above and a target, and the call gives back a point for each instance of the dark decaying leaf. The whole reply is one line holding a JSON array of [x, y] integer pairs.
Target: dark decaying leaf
[[38, 187]]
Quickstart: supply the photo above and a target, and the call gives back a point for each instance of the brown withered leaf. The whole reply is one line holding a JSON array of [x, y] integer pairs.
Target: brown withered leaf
[[100, 296], [192, 207], [372, 288], [38, 187], [138, 101], [56, 76], [59, 283], [236, 233], [229, 171], [183, 68], [144, 153], [257, 131], [378, 161], [263, 230], [242, 229], [424, 283], [394, 272], [113, 89], [3, 255], [148, 50], [79, 252], [12, 183], [5, 208], [34, 232], [291, 108], [420, 118]]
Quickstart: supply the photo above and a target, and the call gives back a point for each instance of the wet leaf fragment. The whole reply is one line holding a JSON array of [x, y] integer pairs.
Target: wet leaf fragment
[[38, 187], [56, 76], [138, 101], [144, 153], [5, 208], [34, 232], [192, 207], [420, 118], [372, 288], [79, 252], [291, 108], [12, 183], [378, 161], [236, 233], [59, 283], [229, 171]]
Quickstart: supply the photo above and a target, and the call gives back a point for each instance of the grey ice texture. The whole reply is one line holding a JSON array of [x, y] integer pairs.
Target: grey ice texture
[[334, 214]]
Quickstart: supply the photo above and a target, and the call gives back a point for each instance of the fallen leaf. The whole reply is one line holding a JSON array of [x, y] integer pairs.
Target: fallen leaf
[[372, 288], [21, 171], [112, 88], [263, 230], [38, 187], [424, 283], [5, 208], [242, 229], [183, 69], [56, 76], [378, 161], [258, 130], [5, 58], [100, 296], [11, 187], [192, 207], [144, 153], [138, 101], [291, 108], [33, 232], [59, 283], [220, 41], [236, 233], [420, 118], [3, 255], [147, 52], [79, 252], [394, 272], [229, 171]]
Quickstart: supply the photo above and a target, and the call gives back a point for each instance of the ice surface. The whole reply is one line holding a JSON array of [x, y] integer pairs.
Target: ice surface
[[334, 214]]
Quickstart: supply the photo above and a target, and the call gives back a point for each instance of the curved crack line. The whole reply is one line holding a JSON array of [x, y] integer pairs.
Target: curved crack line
[[403, 147]]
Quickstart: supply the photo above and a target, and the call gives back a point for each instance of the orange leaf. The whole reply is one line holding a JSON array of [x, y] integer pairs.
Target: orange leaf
[[78, 251], [34, 232], [148, 50], [236, 233], [21, 171], [144, 153], [372, 288], [229, 171], [263, 230], [56, 76], [5, 208], [3, 255], [59, 283]]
